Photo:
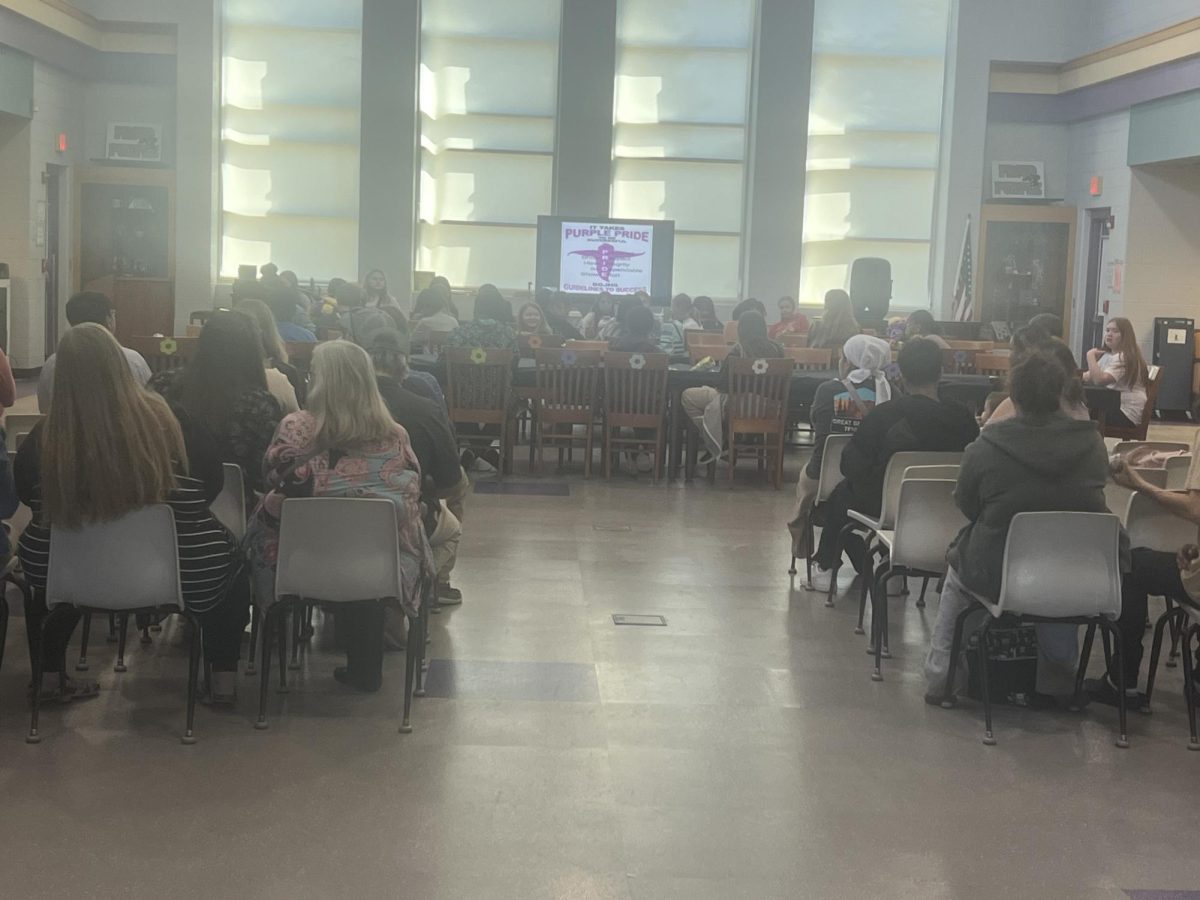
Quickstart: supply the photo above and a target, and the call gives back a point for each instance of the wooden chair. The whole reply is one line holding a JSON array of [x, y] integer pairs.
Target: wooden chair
[[959, 362], [993, 363], [731, 332], [568, 381], [708, 351], [972, 345], [164, 354], [810, 358], [635, 396], [435, 340], [793, 341], [479, 392], [586, 345], [1139, 433], [757, 405], [528, 344], [300, 355], [693, 338]]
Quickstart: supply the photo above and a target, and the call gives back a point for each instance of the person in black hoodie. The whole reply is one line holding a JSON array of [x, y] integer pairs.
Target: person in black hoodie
[[1039, 461], [917, 421]]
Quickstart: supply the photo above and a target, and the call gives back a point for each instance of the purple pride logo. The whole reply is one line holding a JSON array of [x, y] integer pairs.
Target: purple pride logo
[[604, 256]]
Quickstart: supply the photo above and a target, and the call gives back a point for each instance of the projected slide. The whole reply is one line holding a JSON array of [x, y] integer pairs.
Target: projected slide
[[599, 257]]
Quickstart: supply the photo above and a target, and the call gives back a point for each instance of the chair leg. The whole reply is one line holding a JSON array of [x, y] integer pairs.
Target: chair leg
[[122, 631], [415, 640], [282, 632], [422, 652], [921, 599], [1176, 629], [879, 619], [34, 737], [269, 621], [863, 588], [254, 628], [82, 665], [988, 737], [112, 628], [1172, 617], [1111, 629], [1084, 658], [189, 735], [840, 546], [960, 625], [1189, 683], [297, 621], [3, 624], [587, 451]]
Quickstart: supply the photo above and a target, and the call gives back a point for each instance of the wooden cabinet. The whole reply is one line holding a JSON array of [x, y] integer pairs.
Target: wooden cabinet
[[142, 306]]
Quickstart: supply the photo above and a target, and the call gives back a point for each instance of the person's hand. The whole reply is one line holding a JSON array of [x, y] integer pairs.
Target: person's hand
[[1188, 554], [1123, 475], [1094, 354]]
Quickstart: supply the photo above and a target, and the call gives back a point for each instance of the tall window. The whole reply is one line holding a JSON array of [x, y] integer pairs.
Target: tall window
[[874, 127], [682, 98], [489, 76], [290, 85]]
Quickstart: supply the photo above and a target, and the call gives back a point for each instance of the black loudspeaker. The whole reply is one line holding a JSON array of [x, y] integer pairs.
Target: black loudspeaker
[[870, 288], [1174, 352]]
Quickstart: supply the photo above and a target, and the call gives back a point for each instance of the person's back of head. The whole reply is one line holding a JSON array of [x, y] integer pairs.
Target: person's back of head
[[389, 353], [639, 322], [89, 306], [430, 302], [490, 304], [1073, 386], [704, 309], [748, 305], [625, 306], [1028, 338], [227, 363], [269, 270], [752, 335], [920, 324], [291, 279], [681, 306], [286, 305], [344, 398], [335, 284], [921, 363], [837, 319], [1049, 323], [108, 447], [1036, 384], [268, 331]]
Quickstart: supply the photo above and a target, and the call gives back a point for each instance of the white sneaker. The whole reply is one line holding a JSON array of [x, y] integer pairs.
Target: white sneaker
[[821, 579]]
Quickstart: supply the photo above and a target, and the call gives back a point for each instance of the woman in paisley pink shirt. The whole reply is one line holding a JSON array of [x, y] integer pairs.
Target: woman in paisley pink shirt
[[345, 444]]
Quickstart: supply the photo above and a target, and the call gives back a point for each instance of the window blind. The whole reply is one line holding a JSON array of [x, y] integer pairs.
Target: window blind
[[290, 103]]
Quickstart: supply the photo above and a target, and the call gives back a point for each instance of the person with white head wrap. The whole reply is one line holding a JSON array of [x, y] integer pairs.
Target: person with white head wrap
[[868, 356]]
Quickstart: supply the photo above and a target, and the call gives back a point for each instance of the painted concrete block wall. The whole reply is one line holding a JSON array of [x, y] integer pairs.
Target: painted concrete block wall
[[140, 103], [1162, 278], [1110, 22], [1028, 142]]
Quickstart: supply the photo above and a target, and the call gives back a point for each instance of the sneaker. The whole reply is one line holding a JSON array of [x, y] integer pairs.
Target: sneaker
[[342, 675], [821, 580], [448, 596], [642, 462], [1102, 691], [467, 459]]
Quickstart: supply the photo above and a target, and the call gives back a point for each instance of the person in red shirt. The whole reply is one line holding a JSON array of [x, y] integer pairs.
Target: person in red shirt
[[790, 321]]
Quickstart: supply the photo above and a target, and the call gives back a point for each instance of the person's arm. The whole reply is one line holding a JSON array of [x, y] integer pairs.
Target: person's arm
[[138, 367], [26, 468], [204, 458], [967, 491], [821, 418], [1185, 504], [1095, 374]]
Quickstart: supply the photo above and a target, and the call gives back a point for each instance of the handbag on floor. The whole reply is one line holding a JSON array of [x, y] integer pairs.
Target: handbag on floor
[[1012, 658]]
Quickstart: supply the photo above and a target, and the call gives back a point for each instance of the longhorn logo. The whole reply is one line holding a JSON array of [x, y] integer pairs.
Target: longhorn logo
[[604, 256]]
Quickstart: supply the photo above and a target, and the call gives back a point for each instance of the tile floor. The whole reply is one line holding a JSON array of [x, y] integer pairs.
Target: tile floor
[[740, 752]]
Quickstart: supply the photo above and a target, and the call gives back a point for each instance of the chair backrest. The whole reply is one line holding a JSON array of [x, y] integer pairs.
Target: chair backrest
[[1062, 564], [693, 337], [129, 563], [338, 549], [731, 332], [435, 340], [1177, 469], [970, 345], [894, 476], [635, 386], [1153, 526], [831, 465], [478, 384], [717, 353], [528, 344], [17, 428], [586, 345], [927, 522], [810, 357], [164, 354], [948, 472], [230, 506], [758, 393], [993, 363], [791, 340], [568, 380], [1124, 447]]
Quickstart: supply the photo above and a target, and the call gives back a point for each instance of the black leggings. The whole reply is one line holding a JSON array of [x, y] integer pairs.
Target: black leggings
[[360, 630], [834, 514], [221, 627], [1118, 419], [1153, 574]]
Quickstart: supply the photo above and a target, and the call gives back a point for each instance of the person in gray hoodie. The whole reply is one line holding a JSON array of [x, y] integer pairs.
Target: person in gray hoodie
[[1039, 461]]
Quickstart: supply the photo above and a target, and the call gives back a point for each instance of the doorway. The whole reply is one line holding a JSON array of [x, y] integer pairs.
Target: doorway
[[50, 222], [1098, 220]]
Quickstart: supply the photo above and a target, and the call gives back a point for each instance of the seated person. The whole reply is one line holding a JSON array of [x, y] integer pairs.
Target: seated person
[[837, 323], [672, 336], [283, 380], [917, 421], [88, 306], [1152, 573], [430, 314], [492, 327], [1038, 461], [345, 445], [291, 319], [1072, 403], [638, 333], [557, 313], [705, 314], [838, 407], [616, 327], [1048, 323], [1119, 365], [601, 314], [750, 303], [531, 320], [922, 324], [705, 405], [137, 454], [445, 484], [790, 321]]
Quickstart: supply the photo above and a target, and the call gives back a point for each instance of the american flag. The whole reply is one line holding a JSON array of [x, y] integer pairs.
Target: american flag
[[964, 287]]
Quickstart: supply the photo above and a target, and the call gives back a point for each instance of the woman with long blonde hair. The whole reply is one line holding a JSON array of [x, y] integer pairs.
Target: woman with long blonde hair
[[106, 449], [346, 444], [837, 323], [1119, 365]]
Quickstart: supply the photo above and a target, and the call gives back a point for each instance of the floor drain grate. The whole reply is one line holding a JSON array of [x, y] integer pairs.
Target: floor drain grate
[[623, 619]]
